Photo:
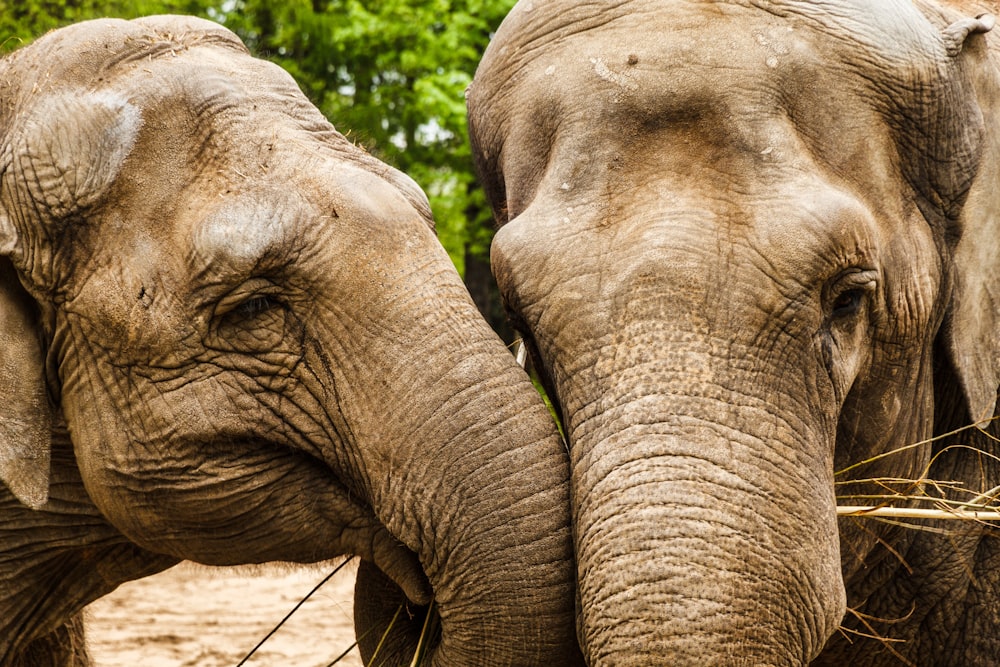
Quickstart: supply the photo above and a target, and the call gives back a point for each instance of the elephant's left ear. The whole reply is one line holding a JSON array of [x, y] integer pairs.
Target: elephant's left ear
[[972, 329], [25, 412]]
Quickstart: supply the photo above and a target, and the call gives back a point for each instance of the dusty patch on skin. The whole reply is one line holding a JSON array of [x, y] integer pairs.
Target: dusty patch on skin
[[607, 74], [24, 468], [8, 235], [774, 48]]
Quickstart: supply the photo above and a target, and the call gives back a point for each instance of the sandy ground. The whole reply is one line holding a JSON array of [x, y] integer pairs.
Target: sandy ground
[[196, 616]]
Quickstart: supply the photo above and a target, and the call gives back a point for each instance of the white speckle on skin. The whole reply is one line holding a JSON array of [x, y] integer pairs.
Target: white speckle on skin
[[120, 134], [607, 74], [564, 186], [774, 48], [767, 151], [550, 70]]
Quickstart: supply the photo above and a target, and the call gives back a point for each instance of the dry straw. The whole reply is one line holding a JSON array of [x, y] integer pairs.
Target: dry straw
[[924, 497]]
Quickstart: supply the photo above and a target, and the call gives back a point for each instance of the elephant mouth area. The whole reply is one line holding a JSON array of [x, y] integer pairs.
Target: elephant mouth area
[[402, 566], [349, 524], [383, 615], [252, 501], [357, 528]]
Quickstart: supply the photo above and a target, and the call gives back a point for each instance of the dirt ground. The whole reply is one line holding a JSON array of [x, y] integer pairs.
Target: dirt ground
[[196, 616]]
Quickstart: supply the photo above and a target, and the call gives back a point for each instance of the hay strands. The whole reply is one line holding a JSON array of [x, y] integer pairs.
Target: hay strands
[[976, 509], [982, 507], [887, 512]]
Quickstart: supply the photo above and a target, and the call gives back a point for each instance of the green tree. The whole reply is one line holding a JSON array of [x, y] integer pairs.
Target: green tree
[[23, 20], [390, 74]]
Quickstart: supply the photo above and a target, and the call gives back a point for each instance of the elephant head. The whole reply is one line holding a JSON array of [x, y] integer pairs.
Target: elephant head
[[257, 345], [749, 244]]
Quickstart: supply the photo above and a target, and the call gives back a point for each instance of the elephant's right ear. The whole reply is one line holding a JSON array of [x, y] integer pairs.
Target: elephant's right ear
[[25, 412], [972, 327]]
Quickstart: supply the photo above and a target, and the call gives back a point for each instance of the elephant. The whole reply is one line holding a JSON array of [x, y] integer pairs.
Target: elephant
[[751, 247], [230, 335]]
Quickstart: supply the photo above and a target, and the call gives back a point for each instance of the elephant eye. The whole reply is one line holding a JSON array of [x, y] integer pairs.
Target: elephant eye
[[251, 319], [850, 292], [848, 303], [250, 300]]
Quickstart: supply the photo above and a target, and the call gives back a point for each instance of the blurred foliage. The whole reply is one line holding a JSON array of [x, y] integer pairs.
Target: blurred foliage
[[23, 20], [390, 74]]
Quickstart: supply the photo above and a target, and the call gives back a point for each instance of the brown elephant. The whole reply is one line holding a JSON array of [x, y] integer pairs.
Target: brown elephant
[[751, 244], [243, 331]]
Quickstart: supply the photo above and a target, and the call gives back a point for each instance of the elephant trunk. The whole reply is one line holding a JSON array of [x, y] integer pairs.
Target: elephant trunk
[[706, 536], [481, 495]]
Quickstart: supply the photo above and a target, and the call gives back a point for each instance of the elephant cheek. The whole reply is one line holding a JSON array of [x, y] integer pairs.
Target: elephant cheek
[[704, 545]]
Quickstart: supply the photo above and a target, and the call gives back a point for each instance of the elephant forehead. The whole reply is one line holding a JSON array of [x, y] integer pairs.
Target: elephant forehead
[[730, 72], [891, 31]]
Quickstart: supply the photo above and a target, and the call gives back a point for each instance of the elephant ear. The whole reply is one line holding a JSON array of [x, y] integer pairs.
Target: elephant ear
[[972, 328], [26, 416], [73, 143], [25, 412], [956, 34]]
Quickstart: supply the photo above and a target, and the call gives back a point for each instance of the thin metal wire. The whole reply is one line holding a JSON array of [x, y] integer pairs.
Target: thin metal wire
[[294, 609], [343, 655]]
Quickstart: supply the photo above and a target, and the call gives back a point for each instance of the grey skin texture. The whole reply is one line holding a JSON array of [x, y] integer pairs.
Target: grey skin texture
[[259, 351], [750, 244], [55, 560]]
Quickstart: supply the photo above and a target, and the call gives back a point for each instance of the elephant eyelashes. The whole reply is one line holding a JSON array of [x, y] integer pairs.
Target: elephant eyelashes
[[849, 293], [255, 306], [249, 300], [250, 319]]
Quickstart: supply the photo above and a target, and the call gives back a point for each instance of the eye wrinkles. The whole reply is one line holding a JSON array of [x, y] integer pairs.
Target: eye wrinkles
[[248, 236]]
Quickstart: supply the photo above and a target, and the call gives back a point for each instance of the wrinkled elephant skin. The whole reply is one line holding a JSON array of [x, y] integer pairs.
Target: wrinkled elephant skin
[[259, 349], [53, 562], [750, 244]]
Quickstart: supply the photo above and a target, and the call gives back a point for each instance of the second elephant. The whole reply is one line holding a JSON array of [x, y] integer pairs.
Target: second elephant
[[750, 245]]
